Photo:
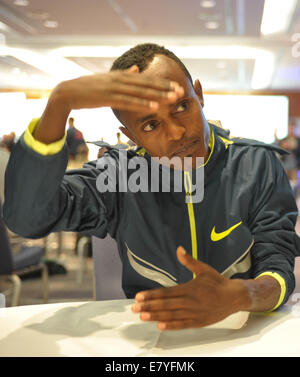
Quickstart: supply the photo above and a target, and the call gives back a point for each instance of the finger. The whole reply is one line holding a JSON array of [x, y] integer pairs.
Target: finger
[[179, 324], [162, 293], [146, 93], [151, 82], [130, 103], [168, 316], [163, 304], [189, 262]]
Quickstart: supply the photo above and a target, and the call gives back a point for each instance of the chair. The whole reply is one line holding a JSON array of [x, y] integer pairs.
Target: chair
[[82, 253], [107, 269], [12, 266], [2, 301]]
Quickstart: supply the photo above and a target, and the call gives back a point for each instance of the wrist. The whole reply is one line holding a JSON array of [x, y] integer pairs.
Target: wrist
[[258, 295], [51, 126], [241, 295], [61, 99], [71, 94]]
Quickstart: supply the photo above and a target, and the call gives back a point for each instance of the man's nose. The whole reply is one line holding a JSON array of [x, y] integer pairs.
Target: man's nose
[[174, 131]]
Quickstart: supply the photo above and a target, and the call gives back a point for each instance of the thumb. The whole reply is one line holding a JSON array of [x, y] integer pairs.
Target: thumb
[[188, 261], [192, 264]]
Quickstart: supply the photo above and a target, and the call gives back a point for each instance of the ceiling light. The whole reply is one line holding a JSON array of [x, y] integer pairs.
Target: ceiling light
[[21, 3], [208, 3], [27, 81], [90, 51], [277, 16], [263, 70], [212, 25], [264, 60], [59, 68], [38, 15], [183, 52], [51, 24]]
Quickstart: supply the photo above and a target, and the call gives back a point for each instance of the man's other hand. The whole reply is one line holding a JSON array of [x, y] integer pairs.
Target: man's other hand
[[207, 299]]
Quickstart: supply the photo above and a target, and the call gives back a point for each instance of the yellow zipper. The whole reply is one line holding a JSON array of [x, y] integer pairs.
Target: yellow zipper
[[190, 207]]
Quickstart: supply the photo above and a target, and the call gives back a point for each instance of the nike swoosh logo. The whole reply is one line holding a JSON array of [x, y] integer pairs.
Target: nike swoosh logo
[[219, 236]]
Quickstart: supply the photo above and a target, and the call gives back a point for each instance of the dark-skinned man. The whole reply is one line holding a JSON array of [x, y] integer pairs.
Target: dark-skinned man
[[187, 264]]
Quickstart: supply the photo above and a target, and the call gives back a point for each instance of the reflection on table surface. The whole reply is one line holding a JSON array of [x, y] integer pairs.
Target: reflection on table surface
[[109, 328]]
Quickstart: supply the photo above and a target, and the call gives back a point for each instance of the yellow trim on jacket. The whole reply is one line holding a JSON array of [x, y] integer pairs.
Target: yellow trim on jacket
[[190, 205], [282, 284], [37, 146]]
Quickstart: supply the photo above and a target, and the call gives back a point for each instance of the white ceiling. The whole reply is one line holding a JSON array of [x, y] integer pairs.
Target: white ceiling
[[128, 22]]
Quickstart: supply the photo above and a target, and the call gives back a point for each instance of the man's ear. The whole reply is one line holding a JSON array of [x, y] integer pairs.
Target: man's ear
[[198, 90], [126, 132]]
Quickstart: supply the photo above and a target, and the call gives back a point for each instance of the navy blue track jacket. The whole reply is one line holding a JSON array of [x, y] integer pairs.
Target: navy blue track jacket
[[243, 227]]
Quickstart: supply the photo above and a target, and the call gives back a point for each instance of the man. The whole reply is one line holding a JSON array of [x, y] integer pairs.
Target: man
[[291, 162], [75, 141], [120, 143], [187, 264], [4, 157], [8, 141]]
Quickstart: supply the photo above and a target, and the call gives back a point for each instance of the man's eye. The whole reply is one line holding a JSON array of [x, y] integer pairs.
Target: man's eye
[[149, 126], [181, 107]]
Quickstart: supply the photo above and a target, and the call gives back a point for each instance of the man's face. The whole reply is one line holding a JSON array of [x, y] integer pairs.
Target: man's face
[[177, 129]]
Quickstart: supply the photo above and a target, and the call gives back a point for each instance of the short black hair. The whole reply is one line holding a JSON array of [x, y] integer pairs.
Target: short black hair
[[142, 55]]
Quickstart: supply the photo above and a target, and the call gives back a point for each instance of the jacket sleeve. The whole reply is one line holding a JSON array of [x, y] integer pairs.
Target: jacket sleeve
[[40, 197], [272, 218]]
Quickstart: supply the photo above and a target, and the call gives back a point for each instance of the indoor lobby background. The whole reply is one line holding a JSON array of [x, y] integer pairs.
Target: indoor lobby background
[[246, 54]]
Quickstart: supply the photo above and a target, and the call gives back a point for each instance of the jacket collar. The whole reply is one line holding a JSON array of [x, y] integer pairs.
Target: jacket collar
[[220, 142]]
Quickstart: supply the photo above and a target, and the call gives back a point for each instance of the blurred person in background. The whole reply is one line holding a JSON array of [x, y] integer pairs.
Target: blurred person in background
[[8, 141], [120, 143], [4, 157], [101, 151], [291, 162], [78, 150]]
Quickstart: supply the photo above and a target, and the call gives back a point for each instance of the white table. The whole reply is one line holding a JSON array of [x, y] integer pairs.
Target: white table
[[109, 328]]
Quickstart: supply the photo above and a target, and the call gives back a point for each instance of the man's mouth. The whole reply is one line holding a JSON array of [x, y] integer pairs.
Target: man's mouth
[[183, 152]]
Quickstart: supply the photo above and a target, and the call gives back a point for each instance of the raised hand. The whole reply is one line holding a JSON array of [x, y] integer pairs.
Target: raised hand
[[123, 90]]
